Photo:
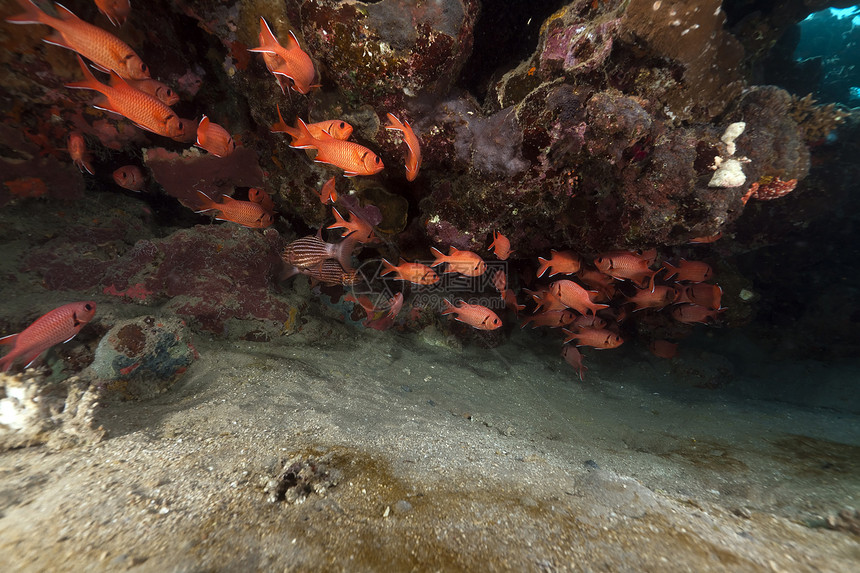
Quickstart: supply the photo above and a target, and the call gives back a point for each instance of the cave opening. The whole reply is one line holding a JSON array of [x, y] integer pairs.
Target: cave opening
[[828, 52]]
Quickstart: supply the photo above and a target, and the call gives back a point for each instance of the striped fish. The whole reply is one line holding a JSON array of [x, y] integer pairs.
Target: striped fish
[[328, 272], [310, 251]]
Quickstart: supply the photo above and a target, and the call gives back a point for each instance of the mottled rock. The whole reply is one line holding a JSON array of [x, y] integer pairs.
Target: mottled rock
[[383, 51], [143, 357]]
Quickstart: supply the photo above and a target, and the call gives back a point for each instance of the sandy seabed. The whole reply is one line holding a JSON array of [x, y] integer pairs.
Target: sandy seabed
[[367, 451]]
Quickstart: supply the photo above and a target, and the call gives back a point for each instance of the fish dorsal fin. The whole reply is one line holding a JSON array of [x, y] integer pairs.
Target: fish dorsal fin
[[64, 13], [204, 123], [119, 81], [293, 43], [270, 42]]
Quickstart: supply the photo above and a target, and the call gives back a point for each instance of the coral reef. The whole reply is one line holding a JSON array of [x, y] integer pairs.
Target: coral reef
[[210, 275], [816, 121], [36, 411], [381, 52]]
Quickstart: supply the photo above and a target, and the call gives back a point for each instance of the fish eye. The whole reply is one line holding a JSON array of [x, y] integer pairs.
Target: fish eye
[[88, 306], [342, 125], [142, 67]]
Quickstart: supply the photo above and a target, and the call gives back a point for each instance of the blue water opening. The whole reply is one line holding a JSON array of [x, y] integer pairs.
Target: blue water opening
[[830, 45]]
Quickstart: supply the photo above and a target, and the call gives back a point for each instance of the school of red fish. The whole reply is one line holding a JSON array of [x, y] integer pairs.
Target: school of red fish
[[588, 301]]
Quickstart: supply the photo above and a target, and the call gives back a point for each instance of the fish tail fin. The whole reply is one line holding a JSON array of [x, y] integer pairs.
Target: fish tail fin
[[84, 164], [389, 268], [343, 253], [303, 138], [89, 83], [449, 308], [439, 255], [205, 202], [669, 269], [339, 221], [544, 266], [287, 271], [282, 127], [569, 335], [594, 307], [31, 14]]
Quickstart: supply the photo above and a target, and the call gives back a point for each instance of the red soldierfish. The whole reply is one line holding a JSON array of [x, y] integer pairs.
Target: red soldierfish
[[115, 10], [54, 327], [102, 48], [356, 228], [353, 158], [286, 62], [474, 315], [689, 271], [510, 298], [336, 128], [245, 213], [415, 273], [214, 138], [261, 197], [660, 297], [395, 303], [574, 296], [598, 338], [561, 262], [625, 265], [501, 246], [129, 177], [78, 151], [141, 108], [573, 356], [413, 160], [328, 193], [691, 313], [703, 294], [154, 88], [464, 262]]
